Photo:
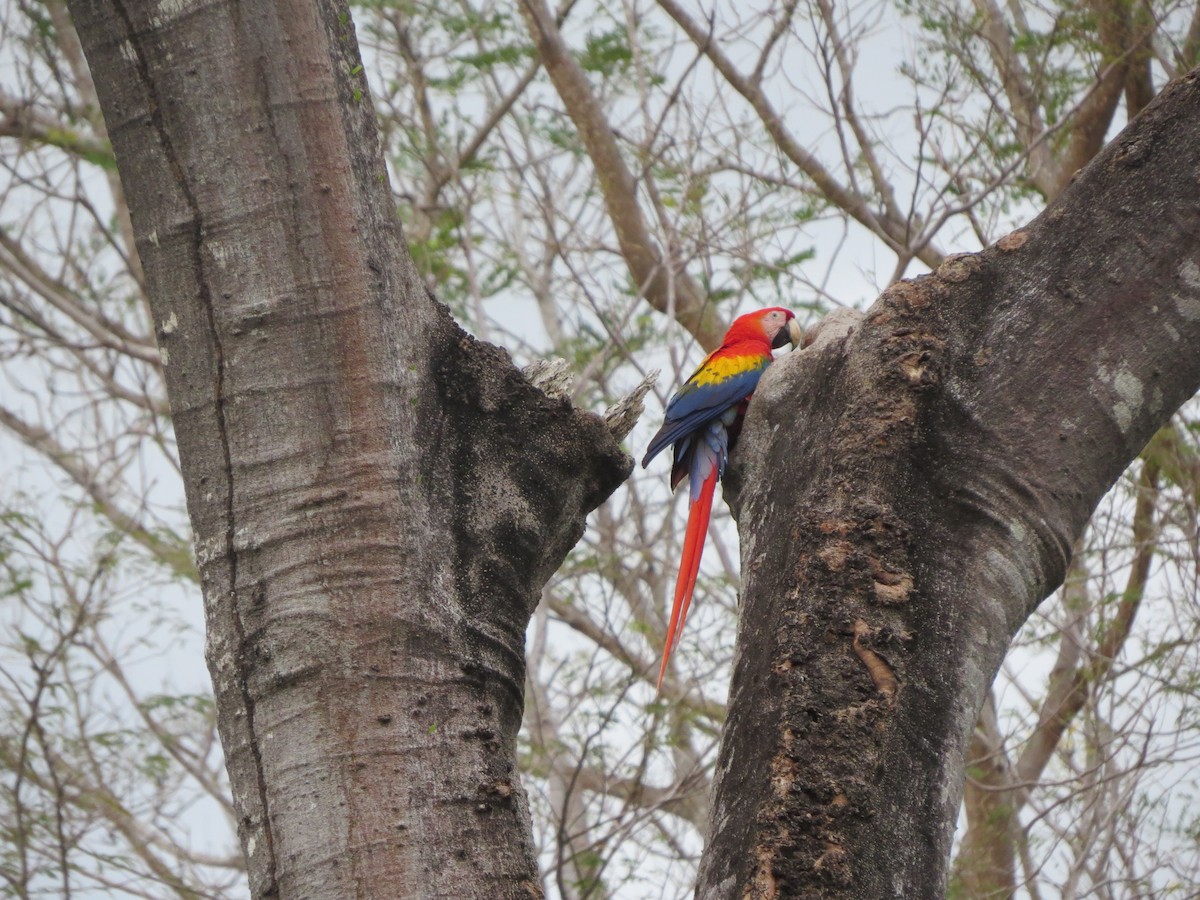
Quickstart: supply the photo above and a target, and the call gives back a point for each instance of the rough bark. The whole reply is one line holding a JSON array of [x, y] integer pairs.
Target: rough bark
[[376, 498], [910, 493]]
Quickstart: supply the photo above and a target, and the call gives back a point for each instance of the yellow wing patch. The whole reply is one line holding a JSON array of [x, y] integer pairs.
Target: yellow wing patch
[[718, 369]]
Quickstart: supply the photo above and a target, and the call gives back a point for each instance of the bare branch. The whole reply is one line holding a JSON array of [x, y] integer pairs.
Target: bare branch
[[1022, 99], [667, 289], [177, 556], [892, 232], [106, 331], [1069, 682]]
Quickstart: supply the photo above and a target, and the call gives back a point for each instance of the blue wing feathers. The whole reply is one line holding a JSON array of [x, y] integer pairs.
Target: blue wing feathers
[[695, 404], [714, 395]]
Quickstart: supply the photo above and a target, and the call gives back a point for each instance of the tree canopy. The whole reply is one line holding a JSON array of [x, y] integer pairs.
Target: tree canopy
[[609, 184]]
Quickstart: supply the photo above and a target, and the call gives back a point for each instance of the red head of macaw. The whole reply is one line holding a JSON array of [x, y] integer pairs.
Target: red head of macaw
[[703, 419]]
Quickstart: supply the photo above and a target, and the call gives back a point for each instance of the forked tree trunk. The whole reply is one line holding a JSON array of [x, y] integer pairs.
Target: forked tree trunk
[[377, 499], [911, 492]]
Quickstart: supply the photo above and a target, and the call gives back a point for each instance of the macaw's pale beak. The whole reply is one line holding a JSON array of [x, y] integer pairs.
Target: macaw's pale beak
[[792, 334]]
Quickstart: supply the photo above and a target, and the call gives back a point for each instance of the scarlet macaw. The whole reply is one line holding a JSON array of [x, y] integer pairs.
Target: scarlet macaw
[[703, 420]]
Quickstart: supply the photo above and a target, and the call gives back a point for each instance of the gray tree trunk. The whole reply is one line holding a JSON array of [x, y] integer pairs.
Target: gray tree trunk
[[908, 495], [377, 498]]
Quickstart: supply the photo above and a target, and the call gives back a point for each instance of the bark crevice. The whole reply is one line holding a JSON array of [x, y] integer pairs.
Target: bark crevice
[[255, 819]]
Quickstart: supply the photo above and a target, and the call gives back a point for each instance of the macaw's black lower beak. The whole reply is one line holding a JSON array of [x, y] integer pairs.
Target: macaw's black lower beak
[[792, 334]]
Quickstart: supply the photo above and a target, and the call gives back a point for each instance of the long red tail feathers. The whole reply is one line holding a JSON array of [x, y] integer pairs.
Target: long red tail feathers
[[689, 568]]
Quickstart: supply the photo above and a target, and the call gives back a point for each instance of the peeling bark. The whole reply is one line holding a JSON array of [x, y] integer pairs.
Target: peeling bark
[[377, 498], [955, 444]]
